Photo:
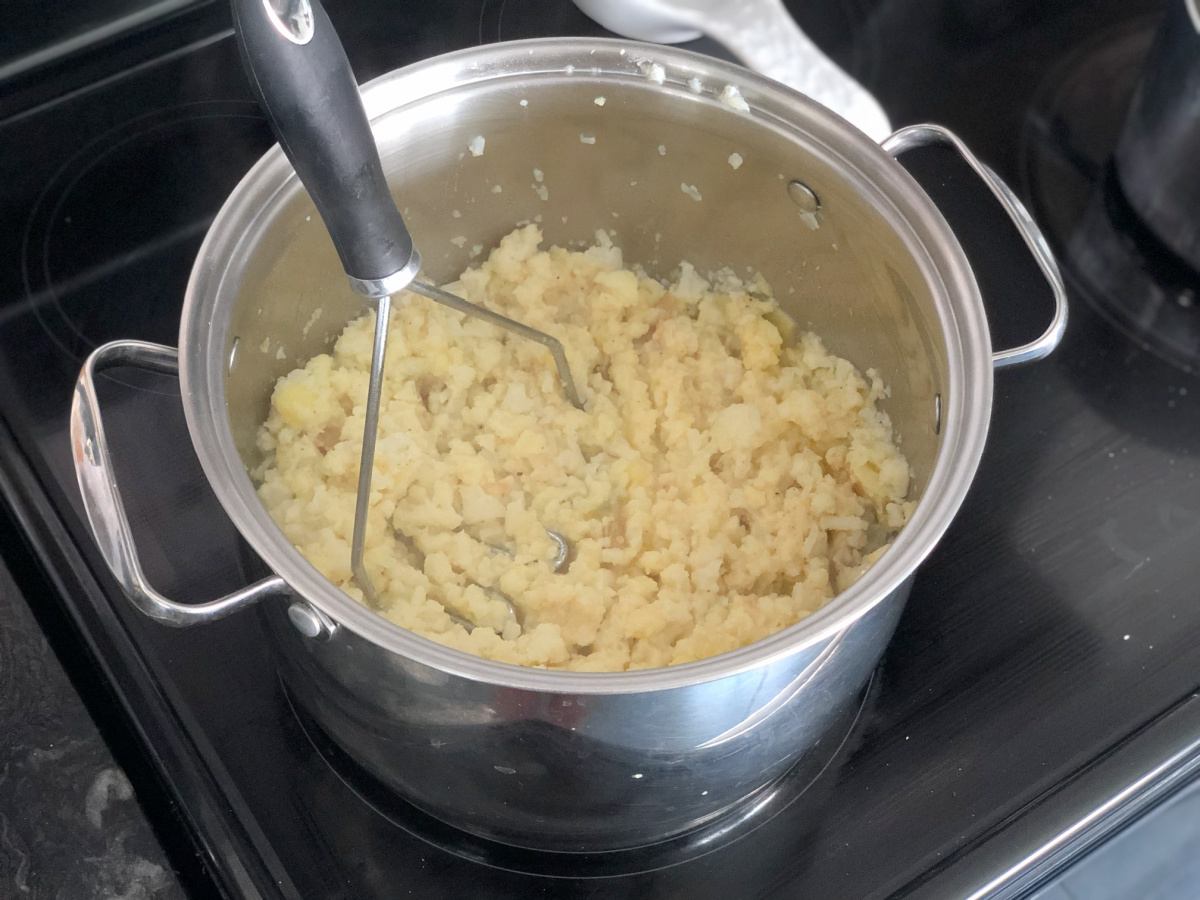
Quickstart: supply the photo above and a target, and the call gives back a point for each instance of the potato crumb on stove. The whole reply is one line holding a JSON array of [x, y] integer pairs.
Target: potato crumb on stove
[[477, 144], [690, 190], [524, 102], [541, 190], [662, 149], [460, 241], [599, 101], [265, 346], [496, 189], [539, 176], [727, 478], [735, 160], [587, 138]]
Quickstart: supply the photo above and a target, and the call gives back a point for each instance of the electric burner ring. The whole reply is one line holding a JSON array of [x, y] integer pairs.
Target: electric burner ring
[[75, 308]]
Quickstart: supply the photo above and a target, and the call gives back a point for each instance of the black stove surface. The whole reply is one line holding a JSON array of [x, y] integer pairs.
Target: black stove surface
[[1041, 688]]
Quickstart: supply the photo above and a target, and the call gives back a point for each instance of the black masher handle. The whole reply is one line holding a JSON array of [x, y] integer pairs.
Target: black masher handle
[[303, 81]]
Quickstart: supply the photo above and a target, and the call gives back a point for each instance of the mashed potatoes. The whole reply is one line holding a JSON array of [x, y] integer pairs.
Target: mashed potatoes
[[725, 480]]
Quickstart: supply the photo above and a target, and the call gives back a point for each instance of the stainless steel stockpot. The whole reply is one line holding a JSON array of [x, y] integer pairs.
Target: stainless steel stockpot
[[854, 249]]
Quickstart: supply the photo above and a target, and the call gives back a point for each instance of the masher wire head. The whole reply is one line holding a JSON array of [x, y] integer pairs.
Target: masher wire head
[[371, 425], [304, 83]]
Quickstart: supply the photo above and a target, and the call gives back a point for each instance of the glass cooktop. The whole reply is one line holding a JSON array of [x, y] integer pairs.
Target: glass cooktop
[[1041, 688]]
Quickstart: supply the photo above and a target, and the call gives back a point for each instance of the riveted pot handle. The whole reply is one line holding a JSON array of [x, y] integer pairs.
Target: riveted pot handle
[[914, 136], [102, 498]]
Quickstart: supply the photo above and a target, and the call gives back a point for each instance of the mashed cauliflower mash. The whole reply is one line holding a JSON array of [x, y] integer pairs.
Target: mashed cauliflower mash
[[726, 479]]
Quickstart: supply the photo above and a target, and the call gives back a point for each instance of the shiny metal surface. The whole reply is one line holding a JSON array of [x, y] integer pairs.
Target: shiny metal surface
[[1041, 346], [304, 619], [565, 770], [102, 496], [378, 288], [366, 465], [548, 758], [293, 19], [763, 34], [803, 196], [563, 556], [310, 622]]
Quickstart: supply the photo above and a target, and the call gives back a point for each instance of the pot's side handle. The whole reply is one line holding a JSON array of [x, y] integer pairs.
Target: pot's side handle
[[914, 136], [102, 497]]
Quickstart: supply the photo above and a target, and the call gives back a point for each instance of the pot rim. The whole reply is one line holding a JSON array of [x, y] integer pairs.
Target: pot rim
[[910, 212]]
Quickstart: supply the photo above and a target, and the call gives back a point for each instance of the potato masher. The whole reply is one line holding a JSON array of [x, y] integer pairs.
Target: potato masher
[[303, 82]]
